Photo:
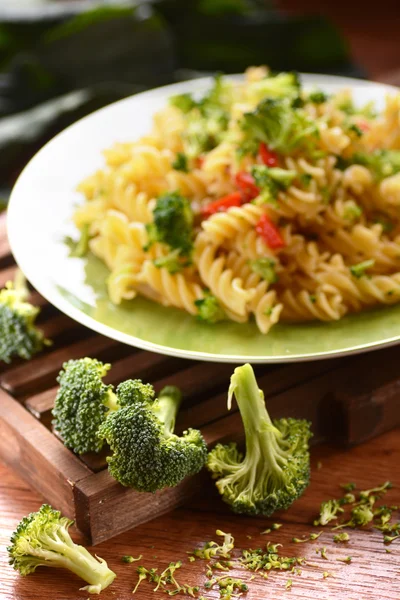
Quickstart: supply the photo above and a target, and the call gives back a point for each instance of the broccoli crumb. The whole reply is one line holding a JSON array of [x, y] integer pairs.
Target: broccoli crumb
[[130, 559], [341, 537]]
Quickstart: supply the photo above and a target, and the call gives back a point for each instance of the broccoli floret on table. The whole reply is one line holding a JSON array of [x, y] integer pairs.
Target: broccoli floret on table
[[42, 540], [19, 337], [146, 454], [276, 467]]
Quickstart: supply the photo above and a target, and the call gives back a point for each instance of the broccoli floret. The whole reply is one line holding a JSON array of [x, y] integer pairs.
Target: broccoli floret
[[146, 454], [173, 223], [328, 512], [265, 267], [277, 123], [317, 97], [82, 403], [18, 334], [276, 467], [181, 163], [282, 85], [42, 540], [271, 180], [383, 163], [206, 119], [209, 309]]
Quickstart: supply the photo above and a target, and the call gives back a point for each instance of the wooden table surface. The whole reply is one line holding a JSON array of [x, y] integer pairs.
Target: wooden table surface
[[373, 574]]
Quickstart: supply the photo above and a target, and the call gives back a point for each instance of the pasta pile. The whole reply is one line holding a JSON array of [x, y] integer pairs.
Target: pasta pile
[[258, 201]]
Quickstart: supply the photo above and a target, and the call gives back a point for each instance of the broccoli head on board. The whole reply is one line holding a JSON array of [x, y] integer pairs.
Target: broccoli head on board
[[275, 469], [146, 454], [19, 336], [42, 540], [82, 403]]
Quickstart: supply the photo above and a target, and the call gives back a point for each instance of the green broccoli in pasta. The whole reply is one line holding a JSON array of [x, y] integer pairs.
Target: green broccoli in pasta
[[173, 226], [271, 179], [382, 163], [209, 309], [280, 125], [282, 85]]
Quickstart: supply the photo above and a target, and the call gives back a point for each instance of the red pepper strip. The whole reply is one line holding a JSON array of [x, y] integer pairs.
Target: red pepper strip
[[266, 229], [245, 182], [200, 162], [268, 157], [222, 204]]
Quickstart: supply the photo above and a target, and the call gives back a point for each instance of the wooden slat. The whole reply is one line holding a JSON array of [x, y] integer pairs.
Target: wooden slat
[[42, 371], [41, 459]]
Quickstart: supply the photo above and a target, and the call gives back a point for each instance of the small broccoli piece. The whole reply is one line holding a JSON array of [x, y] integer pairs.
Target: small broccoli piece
[[184, 102], [353, 128], [82, 246], [382, 163], [282, 85], [173, 223], [361, 515], [82, 403], [276, 123], [181, 163], [352, 211], [271, 180], [42, 540], [173, 262], [341, 537], [265, 267], [276, 467], [129, 559], [360, 269], [317, 97], [209, 309], [328, 512], [146, 454], [19, 336]]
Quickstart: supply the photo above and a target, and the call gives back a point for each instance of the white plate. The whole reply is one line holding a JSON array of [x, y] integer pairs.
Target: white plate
[[39, 218]]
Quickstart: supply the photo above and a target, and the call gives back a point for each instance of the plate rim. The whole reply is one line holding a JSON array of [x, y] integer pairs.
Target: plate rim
[[58, 301]]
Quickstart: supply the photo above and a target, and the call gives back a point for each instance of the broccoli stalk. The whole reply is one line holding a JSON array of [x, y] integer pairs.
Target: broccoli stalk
[[18, 334], [275, 470], [42, 540], [146, 454]]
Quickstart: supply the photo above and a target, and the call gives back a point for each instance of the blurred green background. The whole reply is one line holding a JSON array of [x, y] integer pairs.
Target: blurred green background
[[60, 60]]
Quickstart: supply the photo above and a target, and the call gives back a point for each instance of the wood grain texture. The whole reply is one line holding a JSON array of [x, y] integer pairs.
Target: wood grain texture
[[372, 575]]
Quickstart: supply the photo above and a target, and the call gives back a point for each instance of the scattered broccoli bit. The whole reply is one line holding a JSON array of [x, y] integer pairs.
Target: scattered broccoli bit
[[181, 163], [329, 511], [185, 102], [326, 574], [382, 163], [360, 515], [376, 491], [146, 454], [341, 537], [265, 267], [19, 335], [229, 587], [130, 559], [271, 180], [276, 123], [82, 403], [268, 559], [360, 269], [345, 559], [276, 468], [289, 584], [42, 539], [310, 538], [317, 97], [209, 309], [322, 552], [305, 179], [81, 248], [348, 107], [173, 224], [213, 549]]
